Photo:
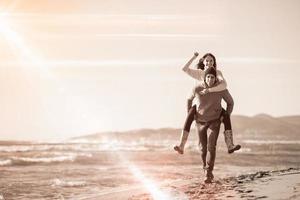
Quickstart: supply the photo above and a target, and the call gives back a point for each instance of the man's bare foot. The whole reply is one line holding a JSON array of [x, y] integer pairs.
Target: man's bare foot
[[178, 149]]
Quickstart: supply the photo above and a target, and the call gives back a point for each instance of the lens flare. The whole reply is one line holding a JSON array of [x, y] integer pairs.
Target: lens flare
[[15, 41], [32, 61], [150, 185]]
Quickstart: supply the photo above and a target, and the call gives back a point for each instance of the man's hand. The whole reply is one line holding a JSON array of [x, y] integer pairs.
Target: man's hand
[[221, 118], [204, 91], [196, 54]]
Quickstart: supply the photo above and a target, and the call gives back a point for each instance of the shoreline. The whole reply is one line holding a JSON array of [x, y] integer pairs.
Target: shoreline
[[273, 184]]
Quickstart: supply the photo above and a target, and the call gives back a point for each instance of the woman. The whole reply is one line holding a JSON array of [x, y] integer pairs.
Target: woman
[[207, 61]]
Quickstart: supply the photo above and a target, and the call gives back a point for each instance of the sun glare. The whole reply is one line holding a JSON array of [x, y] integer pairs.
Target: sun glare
[[29, 59], [150, 185], [17, 42]]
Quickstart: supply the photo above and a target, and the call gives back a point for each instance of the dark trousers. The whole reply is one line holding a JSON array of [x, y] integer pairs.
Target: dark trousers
[[191, 116], [208, 141]]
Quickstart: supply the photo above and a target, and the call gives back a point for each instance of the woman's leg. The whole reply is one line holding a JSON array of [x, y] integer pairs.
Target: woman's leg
[[226, 120], [228, 133], [189, 119], [186, 129]]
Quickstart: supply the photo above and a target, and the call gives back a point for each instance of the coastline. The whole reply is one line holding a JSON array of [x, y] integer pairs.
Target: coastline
[[277, 184]]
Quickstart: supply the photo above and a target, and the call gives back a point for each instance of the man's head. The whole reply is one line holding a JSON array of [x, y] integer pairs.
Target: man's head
[[210, 76]]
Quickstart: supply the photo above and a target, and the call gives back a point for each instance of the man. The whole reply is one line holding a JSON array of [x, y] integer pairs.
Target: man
[[207, 61], [208, 118]]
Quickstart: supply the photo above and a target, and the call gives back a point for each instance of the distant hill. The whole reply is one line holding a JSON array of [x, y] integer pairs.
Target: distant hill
[[295, 120], [265, 126], [261, 126], [15, 142]]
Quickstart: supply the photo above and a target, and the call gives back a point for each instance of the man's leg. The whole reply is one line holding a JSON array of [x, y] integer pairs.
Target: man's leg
[[186, 130], [202, 133], [228, 136], [214, 128]]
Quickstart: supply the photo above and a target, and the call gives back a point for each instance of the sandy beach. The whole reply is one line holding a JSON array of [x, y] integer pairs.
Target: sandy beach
[[279, 184]]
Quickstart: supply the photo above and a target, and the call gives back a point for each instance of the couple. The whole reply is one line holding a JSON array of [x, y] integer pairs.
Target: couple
[[209, 114]]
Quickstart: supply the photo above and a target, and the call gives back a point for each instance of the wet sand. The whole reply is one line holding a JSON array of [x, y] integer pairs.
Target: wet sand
[[279, 184]]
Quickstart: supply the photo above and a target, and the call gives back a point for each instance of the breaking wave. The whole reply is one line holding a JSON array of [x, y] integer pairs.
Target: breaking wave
[[55, 157], [62, 183], [5, 162], [272, 141]]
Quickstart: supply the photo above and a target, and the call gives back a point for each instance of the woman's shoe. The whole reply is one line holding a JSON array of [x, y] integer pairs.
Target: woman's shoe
[[235, 148], [229, 142]]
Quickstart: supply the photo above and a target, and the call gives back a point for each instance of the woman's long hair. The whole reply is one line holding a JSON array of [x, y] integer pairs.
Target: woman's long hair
[[201, 65]]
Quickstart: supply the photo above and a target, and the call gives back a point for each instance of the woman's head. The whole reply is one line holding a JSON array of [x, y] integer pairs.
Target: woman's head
[[208, 60]]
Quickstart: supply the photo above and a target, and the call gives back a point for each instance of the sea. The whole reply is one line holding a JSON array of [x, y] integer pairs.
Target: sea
[[90, 169]]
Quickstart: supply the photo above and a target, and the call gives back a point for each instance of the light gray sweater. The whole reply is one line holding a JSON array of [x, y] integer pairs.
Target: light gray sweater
[[210, 106]]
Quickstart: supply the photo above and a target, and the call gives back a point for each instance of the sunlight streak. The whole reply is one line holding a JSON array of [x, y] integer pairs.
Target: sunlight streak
[[29, 58], [15, 40], [154, 190], [151, 186]]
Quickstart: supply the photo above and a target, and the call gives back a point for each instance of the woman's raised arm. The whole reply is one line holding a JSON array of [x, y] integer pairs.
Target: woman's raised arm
[[194, 73]]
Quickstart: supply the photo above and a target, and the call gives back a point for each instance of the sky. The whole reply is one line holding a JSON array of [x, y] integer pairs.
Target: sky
[[70, 68]]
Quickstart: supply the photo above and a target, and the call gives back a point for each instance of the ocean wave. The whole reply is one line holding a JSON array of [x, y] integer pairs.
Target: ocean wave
[[90, 145], [46, 147], [25, 148], [49, 148], [115, 145], [59, 153], [5, 162], [54, 158], [70, 158], [84, 141], [141, 145], [16, 148], [271, 141], [86, 147], [61, 183], [243, 150]]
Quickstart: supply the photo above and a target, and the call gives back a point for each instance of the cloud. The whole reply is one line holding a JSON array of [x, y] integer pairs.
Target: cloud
[[252, 60], [146, 63], [126, 35], [94, 63]]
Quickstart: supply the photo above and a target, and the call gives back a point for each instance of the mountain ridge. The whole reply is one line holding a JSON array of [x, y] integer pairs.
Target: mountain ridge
[[260, 126]]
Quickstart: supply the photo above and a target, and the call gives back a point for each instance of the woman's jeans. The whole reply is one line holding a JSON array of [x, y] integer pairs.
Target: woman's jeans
[[191, 116]]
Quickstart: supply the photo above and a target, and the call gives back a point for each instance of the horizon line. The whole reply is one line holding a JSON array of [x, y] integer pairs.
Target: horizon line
[[54, 141]]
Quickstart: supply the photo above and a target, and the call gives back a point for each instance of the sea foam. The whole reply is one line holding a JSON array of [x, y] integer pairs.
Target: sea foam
[[63, 183], [272, 141], [5, 163]]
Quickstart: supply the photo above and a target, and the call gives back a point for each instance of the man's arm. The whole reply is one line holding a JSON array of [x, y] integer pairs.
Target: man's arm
[[194, 73], [229, 101], [222, 85]]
